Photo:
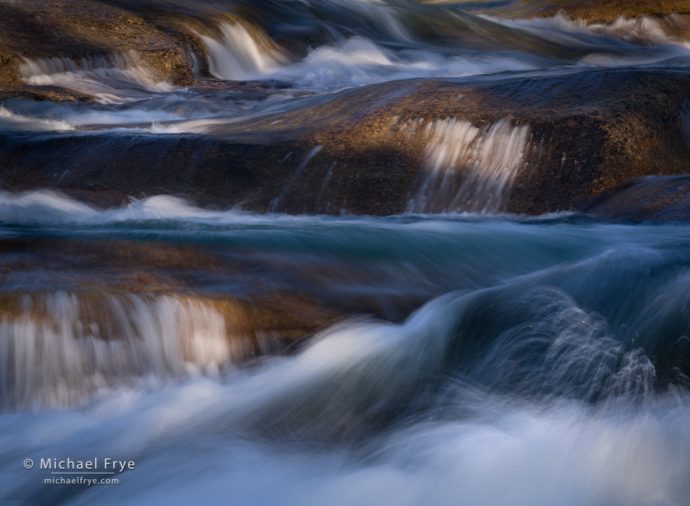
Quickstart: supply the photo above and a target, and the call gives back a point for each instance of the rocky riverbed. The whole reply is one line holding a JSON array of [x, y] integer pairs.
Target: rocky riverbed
[[602, 103], [345, 252]]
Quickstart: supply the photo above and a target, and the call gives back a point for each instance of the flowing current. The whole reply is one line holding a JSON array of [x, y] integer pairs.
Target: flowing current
[[314, 48], [255, 61], [450, 354], [494, 360]]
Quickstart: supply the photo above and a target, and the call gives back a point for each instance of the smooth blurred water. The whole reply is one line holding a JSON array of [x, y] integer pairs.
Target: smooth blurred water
[[546, 361], [318, 47], [457, 358]]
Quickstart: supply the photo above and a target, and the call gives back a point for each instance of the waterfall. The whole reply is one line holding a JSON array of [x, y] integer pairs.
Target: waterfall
[[112, 79], [241, 52], [60, 348], [470, 168]]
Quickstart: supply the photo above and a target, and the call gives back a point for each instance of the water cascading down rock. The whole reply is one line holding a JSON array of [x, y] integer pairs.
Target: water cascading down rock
[[469, 168]]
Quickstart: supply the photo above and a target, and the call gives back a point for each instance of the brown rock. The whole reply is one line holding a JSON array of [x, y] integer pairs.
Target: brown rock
[[89, 28], [594, 11], [591, 130]]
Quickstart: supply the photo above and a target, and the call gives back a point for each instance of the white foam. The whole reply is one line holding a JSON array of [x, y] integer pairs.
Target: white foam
[[355, 61], [48, 207], [241, 51], [498, 451], [358, 61], [643, 29], [45, 207]]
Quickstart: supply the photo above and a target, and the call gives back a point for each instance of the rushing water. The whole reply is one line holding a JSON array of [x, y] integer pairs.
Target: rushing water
[[468, 168], [543, 361], [433, 357], [322, 46], [257, 60]]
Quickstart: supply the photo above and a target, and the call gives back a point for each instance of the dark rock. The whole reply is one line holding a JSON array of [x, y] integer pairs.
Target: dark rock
[[653, 199], [591, 131]]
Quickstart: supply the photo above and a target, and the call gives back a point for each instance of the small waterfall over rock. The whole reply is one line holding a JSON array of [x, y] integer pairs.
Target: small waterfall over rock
[[110, 79], [242, 52], [470, 168], [60, 348]]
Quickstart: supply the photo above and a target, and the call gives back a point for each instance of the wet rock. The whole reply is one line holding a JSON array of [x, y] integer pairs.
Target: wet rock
[[90, 28], [95, 273], [51, 93], [591, 11], [362, 151], [275, 294], [604, 11], [653, 199]]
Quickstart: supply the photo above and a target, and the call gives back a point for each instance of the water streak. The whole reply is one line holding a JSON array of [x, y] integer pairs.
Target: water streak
[[285, 192], [470, 168], [12, 120], [60, 348], [241, 53], [117, 78]]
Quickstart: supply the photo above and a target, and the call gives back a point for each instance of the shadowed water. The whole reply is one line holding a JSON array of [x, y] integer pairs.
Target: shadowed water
[[472, 358], [319, 46], [540, 360]]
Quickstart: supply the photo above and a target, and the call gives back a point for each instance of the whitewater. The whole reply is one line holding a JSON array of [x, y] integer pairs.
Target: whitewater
[[548, 365], [451, 353]]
